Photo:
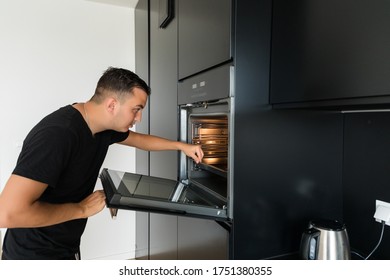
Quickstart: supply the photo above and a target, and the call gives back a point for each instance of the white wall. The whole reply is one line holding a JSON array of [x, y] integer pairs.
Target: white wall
[[52, 53]]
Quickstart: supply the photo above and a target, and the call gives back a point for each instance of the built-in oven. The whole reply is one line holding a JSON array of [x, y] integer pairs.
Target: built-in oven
[[201, 190], [209, 125]]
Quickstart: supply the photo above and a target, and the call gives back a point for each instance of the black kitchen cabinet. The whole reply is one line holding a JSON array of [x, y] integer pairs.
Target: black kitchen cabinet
[[201, 239], [204, 34], [142, 68], [160, 236], [141, 16], [156, 59], [286, 163], [163, 82], [330, 53]]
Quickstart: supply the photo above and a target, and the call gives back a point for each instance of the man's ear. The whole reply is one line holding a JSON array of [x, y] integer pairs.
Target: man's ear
[[111, 104]]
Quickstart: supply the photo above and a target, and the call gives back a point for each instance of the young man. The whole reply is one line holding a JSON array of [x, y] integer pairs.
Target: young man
[[50, 194]]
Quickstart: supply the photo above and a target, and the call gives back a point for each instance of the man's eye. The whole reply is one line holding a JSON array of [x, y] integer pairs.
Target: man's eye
[[136, 110]]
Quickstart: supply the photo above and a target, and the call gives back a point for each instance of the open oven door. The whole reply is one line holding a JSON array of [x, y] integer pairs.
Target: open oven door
[[131, 191]]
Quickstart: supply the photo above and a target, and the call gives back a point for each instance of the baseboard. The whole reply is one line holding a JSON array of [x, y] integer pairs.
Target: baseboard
[[122, 256]]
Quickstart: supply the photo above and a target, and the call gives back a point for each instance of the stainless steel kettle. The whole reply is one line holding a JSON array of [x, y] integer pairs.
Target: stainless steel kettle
[[325, 240]]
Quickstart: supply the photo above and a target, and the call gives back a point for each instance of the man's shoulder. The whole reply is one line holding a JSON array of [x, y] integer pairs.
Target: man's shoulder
[[58, 125], [61, 115], [65, 118]]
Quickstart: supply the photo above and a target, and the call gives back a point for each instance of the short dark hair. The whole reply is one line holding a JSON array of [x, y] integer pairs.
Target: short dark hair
[[119, 81]]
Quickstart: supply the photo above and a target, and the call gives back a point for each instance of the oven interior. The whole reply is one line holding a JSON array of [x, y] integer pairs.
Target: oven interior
[[210, 129]]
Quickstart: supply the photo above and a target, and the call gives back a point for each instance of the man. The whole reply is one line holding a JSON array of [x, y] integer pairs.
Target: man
[[50, 194]]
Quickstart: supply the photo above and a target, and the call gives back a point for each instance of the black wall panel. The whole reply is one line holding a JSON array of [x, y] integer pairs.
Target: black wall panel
[[287, 164], [366, 178], [330, 49]]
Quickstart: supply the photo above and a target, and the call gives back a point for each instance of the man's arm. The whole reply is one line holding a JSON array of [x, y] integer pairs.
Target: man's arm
[[20, 207], [154, 143]]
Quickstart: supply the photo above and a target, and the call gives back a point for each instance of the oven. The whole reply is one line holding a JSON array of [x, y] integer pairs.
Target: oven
[[208, 124], [205, 105]]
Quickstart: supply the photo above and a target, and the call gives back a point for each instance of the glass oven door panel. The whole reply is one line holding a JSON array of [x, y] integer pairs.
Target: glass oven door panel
[[126, 190], [130, 184], [211, 183]]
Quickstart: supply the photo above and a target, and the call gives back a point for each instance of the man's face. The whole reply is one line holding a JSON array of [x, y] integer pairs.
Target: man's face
[[129, 112]]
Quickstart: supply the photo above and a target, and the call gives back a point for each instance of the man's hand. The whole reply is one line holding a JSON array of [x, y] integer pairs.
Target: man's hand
[[193, 151], [93, 204]]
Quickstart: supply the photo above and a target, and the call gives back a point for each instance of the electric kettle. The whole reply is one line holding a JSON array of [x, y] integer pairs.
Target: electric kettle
[[325, 240]]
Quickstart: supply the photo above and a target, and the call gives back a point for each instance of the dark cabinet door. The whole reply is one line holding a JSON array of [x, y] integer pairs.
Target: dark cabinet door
[[141, 43], [204, 34], [330, 50], [163, 83], [201, 239], [157, 234], [163, 122]]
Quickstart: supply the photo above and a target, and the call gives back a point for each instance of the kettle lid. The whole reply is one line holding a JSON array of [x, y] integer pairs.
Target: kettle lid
[[327, 224]]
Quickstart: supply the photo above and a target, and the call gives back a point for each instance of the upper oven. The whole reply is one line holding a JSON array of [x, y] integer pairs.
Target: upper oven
[[205, 106]]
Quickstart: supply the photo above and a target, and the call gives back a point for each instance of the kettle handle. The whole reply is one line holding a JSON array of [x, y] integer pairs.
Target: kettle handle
[[309, 244]]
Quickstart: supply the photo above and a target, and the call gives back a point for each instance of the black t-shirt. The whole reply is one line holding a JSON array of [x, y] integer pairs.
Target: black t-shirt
[[62, 152]]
